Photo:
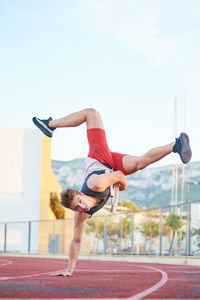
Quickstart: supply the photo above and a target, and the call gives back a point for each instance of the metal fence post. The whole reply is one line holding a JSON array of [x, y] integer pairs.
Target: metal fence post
[[5, 236], [29, 237], [53, 235], [160, 232], [188, 231], [121, 232], [132, 233], [105, 235]]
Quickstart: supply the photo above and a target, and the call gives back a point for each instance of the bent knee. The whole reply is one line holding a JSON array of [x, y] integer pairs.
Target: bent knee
[[92, 112], [130, 163], [93, 118]]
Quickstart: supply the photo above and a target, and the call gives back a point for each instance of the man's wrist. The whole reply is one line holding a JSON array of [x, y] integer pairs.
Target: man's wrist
[[70, 270]]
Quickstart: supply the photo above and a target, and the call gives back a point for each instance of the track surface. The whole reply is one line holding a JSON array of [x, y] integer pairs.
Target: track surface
[[33, 278]]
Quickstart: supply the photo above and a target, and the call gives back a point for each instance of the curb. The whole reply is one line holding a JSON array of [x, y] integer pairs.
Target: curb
[[180, 260]]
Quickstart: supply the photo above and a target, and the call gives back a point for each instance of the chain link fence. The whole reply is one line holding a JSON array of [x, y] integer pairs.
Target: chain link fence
[[172, 230]]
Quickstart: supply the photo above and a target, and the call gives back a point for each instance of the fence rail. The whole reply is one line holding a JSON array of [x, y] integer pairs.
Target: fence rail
[[171, 230]]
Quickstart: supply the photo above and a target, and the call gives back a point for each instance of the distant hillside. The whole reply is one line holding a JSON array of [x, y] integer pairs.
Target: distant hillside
[[146, 187]]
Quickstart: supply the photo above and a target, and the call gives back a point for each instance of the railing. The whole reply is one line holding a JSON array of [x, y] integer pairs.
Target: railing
[[171, 230]]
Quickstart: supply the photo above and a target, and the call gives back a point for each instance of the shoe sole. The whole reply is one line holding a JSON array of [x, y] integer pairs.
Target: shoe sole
[[40, 125], [186, 152]]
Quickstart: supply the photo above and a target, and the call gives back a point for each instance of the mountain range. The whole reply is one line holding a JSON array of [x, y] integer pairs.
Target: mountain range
[[151, 186]]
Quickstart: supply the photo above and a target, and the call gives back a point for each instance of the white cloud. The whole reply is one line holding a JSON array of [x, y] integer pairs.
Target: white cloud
[[153, 29], [131, 22]]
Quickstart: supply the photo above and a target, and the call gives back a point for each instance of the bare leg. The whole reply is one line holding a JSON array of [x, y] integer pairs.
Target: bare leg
[[89, 115], [132, 164]]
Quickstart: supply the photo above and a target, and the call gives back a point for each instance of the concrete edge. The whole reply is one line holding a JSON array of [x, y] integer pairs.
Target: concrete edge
[[179, 260]]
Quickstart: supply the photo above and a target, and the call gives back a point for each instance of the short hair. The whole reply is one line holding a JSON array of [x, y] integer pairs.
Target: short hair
[[67, 196]]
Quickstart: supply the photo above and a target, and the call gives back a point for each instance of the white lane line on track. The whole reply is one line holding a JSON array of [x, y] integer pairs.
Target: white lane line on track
[[31, 275], [97, 298], [185, 272], [79, 299], [135, 297], [186, 279], [154, 287], [115, 271], [77, 270], [8, 262]]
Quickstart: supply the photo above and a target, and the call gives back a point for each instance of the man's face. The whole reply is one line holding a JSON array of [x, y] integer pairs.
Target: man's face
[[80, 203]]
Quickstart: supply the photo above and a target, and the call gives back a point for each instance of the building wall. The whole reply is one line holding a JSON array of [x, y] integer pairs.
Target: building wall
[[19, 184], [26, 181], [48, 234], [19, 181]]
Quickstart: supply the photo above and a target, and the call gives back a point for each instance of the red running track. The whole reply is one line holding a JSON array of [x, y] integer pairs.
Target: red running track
[[33, 278]]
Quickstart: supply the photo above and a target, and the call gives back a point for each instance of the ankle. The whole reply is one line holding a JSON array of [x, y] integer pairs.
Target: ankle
[[50, 124], [173, 145], [177, 145]]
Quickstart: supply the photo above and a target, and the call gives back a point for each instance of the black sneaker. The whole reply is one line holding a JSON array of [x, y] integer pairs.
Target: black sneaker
[[182, 147], [43, 125]]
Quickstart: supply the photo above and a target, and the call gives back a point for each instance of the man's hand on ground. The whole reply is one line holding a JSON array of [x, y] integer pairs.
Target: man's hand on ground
[[63, 274]]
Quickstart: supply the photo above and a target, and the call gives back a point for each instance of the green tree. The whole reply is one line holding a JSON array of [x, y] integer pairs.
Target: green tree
[[125, 229], [196, 232], [150, 229], [152, 206], [56, 207], [113, 229], [95, 226], [130, 205], [181, 236], [175, 222]]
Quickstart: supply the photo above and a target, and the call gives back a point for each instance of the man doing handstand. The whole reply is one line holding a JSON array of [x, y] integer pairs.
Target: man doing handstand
[[103, 169]]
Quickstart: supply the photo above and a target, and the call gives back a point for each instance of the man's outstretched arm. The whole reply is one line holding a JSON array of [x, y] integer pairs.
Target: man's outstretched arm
[[99, 183], [79, 224]]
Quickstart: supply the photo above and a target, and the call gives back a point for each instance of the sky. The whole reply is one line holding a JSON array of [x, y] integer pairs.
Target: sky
[[129, 59]]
